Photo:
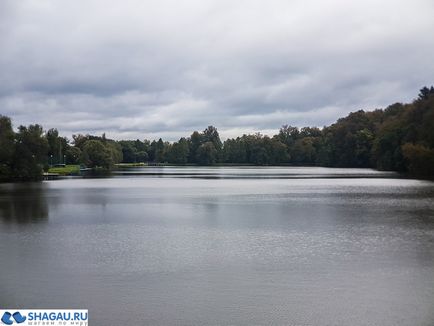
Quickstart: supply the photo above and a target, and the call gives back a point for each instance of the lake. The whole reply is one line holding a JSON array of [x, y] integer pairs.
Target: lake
[[223, 246]]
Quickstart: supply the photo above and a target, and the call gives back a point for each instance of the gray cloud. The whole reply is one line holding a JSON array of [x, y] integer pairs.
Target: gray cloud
[[136, 69]]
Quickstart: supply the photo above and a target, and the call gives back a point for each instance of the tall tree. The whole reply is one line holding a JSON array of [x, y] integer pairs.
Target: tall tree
[[7, 148], [195, 141], [206, 154], [30, 153], [178, 152], [57, 146], [96, 154]]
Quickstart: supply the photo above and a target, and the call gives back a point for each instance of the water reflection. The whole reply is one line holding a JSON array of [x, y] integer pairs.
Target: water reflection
[[192, 251], [23, 203], [251, 172]]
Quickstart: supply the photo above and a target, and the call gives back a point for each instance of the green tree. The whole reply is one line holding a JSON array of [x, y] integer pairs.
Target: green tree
[[57, 146], [73, 155], [419, 159], [234, 151], [194, 142], [141, 156], [303, 151], [96, 155], [178, 152], [30, 153], [349, 140], [129, 151], [159, 151], [207, 154], [7, 148], [426, 92], [210, 134], [115, 151], [276, 151], [288, 135], [134, 150]]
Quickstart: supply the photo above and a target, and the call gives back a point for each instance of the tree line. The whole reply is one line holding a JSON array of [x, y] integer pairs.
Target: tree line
[[398, 138]]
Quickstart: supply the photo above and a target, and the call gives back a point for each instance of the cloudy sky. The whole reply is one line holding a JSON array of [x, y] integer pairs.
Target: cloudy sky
[[163, 68]]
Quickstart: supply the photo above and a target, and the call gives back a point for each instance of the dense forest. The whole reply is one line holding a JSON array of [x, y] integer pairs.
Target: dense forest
[[398, 138]]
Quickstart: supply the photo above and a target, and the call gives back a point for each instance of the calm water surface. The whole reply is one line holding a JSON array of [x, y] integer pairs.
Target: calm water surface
[[220, 246]]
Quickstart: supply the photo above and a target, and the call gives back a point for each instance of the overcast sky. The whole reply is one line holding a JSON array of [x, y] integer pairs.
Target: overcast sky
[[149, 69]]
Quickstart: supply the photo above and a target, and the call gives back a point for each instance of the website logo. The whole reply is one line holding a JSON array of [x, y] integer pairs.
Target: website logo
[[55, 317], [9, 318]]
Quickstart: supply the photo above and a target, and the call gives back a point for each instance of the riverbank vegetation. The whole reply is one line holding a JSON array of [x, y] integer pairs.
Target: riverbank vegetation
[[398, 138], [65, 170]]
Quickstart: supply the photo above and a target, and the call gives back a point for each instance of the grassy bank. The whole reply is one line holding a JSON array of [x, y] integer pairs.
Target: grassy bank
[[67, 170]]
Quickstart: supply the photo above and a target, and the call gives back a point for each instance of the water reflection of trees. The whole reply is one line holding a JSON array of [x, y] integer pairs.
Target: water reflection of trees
[[23, 203]]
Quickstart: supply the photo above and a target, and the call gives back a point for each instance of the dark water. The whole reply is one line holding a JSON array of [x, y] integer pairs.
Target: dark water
[[223, 246]]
